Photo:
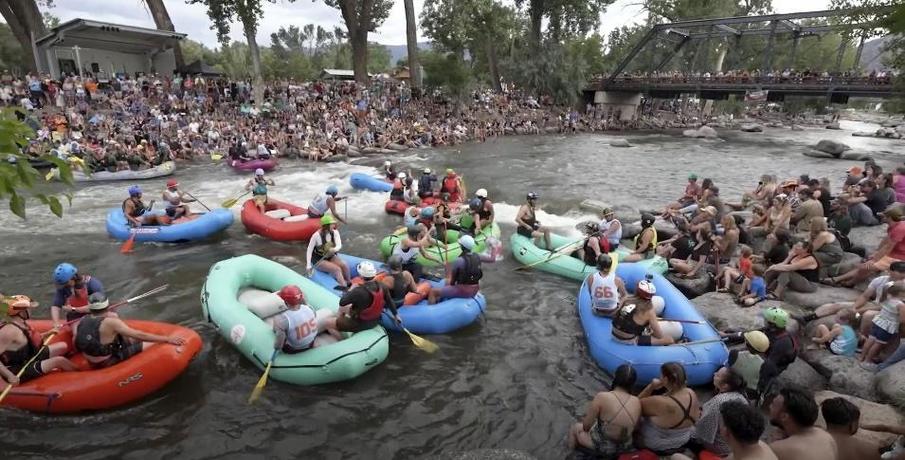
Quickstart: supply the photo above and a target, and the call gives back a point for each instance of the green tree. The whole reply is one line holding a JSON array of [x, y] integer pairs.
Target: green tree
[[446, 71], [361, 17], [12, 58], [564, 17]]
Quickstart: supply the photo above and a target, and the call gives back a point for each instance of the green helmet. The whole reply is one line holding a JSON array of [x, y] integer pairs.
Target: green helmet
[[327, 219], [776, 316]]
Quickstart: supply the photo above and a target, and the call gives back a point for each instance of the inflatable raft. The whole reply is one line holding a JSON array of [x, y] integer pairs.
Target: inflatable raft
[[281, 222], [525, 251], [267, 165], [189, 228], [701, 357], [247, 331], [102, 389], [164, 169], [443, 317], [449, 253], [399, 206], [363, 181]]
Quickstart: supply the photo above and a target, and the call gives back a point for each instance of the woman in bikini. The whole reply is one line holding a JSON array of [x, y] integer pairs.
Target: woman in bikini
[[669, 418], [610, 420]]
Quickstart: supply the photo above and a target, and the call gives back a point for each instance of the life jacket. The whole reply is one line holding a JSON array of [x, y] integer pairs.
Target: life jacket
[[78, 296], [260, 187], [424, 184], [604, 292], [450, 185], [373, 311], [137, 211], [653, 241], [302, 329], [472, 272], [624, 322], [483, 213], [21, 356], [88, 338]]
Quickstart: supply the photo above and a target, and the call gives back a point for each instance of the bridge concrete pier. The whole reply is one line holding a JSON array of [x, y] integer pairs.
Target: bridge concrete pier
[[623, 103]]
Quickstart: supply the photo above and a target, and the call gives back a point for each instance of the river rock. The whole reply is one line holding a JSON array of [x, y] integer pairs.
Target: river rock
[[620, 143], [868, 238], [833, 125], [397, 147], [752, 128], [891, 123], [864, 134], [871, 413], [774, 124], [487, 454], [595, 206], [824, 295], [844, 373], [695, 286], [890, 384], [818, 154], [797, 128], [832, 147], [854, 156], [703, 132], [802, 374], [720, 309]]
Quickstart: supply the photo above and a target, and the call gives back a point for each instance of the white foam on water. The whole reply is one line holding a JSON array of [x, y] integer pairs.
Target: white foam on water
[[559, 224]]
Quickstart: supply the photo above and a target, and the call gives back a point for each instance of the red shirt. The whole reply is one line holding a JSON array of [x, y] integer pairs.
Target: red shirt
[[744, 266], [896, 234]]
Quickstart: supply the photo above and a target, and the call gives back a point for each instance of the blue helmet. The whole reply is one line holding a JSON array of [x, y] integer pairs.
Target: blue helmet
[[332, 190], [427, 212], [475, 204], [134, 190], [64, 272]]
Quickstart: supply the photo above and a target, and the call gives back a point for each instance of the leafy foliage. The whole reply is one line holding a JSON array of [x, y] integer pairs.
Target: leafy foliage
[[445, 70]]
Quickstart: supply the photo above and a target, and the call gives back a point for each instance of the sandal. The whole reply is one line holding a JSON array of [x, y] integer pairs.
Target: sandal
[[772, 296]]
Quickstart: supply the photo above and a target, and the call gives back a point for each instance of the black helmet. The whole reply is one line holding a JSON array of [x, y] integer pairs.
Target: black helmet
[[647, 220], [475, 204], [533, 196], [395, 263], [414, 231], [604, 262], [409, 181], [591, 227]]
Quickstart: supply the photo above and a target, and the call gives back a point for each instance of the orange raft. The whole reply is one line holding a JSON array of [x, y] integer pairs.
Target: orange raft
[[102, 389]]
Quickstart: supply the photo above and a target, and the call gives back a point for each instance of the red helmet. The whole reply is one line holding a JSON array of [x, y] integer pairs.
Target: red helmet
[[645, 289], [172, 183], [292, 295]]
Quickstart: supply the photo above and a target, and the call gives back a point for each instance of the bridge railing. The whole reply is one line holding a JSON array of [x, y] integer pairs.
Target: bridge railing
[[801, 80]]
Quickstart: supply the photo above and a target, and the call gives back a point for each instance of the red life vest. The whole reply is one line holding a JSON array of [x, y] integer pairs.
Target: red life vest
[[450, 184], [397, 184], [376, 308], [79, 296]]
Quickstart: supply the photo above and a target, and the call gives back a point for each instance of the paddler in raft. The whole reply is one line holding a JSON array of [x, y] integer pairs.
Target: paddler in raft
[[323, 248], [607, 290], [645, 242], [481, 212], [526, 221], [360, 307], [636, 315], [463, 276], [258, 186], [105, 340], [416, 241], [72, 293], [400, 282], [426, 183], [398, 191], [324, 202], [388, 171], [137, 213], [297, 328], [452, 184], [176, 200], [18, 347]]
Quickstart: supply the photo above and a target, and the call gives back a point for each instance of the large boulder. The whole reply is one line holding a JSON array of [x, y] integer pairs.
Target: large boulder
[[854, 156], [824, 295], [752, 128], [703, 132], [620, 143], [832, 147], [818, 154], [871, 413], [864, 134], [695, 286], [890, 384], [868, 238], [802, 374], [833, 125], [720, 309], [844, 373], [797, 128]]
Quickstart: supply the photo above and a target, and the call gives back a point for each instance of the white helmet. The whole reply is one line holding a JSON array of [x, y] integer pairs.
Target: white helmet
[[387, 163], [481, 193], [402, 176], [427, 170], [366, 270], [259, 172], [659, 304]]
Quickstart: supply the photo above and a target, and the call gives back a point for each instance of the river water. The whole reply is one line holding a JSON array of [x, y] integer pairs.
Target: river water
[[516, 379]]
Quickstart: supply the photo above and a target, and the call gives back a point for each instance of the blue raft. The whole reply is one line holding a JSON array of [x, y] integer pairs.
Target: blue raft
[[444, 317], [199, 226], [702, 356], [363, 181]]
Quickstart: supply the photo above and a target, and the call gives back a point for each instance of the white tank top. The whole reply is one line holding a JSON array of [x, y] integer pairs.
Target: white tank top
[[604, 295], [302, 328], [172, 198], [605, 225], [406, 256], [319, 205]]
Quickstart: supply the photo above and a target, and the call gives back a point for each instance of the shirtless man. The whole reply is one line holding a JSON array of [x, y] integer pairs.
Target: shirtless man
[[842, 422], [741, 427], [526, 219], [794, 411]]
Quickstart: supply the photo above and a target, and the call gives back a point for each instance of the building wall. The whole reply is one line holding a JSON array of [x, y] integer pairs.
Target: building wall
[[113, 62], [165, 63]]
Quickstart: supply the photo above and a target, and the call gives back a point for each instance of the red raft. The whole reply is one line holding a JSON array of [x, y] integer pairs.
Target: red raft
[[285, 222], [399, 206], [102, 389]]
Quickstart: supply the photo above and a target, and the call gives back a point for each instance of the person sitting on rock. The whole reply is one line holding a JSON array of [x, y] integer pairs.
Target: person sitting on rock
[[669, 419], [891, 249], [794, 411], [798, 272], [611, 418], [702, 253], [755, 289], [730, 386], [886, 324], [742, 426], [781, 347], [840, 338], [693, 191], [842, 419], [740, 275]]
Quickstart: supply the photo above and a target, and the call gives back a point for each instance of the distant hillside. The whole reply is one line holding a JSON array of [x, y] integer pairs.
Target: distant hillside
[[398, 52], [872, 56]]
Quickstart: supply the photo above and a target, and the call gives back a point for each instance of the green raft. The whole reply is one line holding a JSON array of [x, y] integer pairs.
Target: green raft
[[525, 251], [245, 330], [438, 252]]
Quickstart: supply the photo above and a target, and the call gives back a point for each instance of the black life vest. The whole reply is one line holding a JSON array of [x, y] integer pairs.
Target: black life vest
[[625, 323], [425, 183], [483, 213], [137, 211], [88, 338], [400, 288], [373, 311], [472, 272], [21, 356]]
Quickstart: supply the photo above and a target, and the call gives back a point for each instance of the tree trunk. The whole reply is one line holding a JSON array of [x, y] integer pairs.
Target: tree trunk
[[536, 11], [163, 22], [31, 24], [492, 66], [412, 43], [720, 58], [258, 83], [20, 32], [359, 43]]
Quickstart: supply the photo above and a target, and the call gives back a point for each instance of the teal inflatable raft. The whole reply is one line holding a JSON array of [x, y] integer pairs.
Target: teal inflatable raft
[[239, 278], [525, 251]]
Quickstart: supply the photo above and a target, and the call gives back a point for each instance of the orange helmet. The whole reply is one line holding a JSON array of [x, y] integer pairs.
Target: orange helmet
[[292, 295], [19, 303]]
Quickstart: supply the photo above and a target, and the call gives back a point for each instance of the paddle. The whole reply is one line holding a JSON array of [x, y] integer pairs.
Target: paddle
[[52, 334], [419, 342], [199, 201], [567, 248], [696, 342], [130, 243], [232, 201], [259, 387]]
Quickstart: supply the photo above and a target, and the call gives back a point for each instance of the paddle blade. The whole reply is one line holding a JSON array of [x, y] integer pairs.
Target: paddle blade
[[128, 245], [422, 343], [259, 388], [5, 392], [49, 176], [229, 203]]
